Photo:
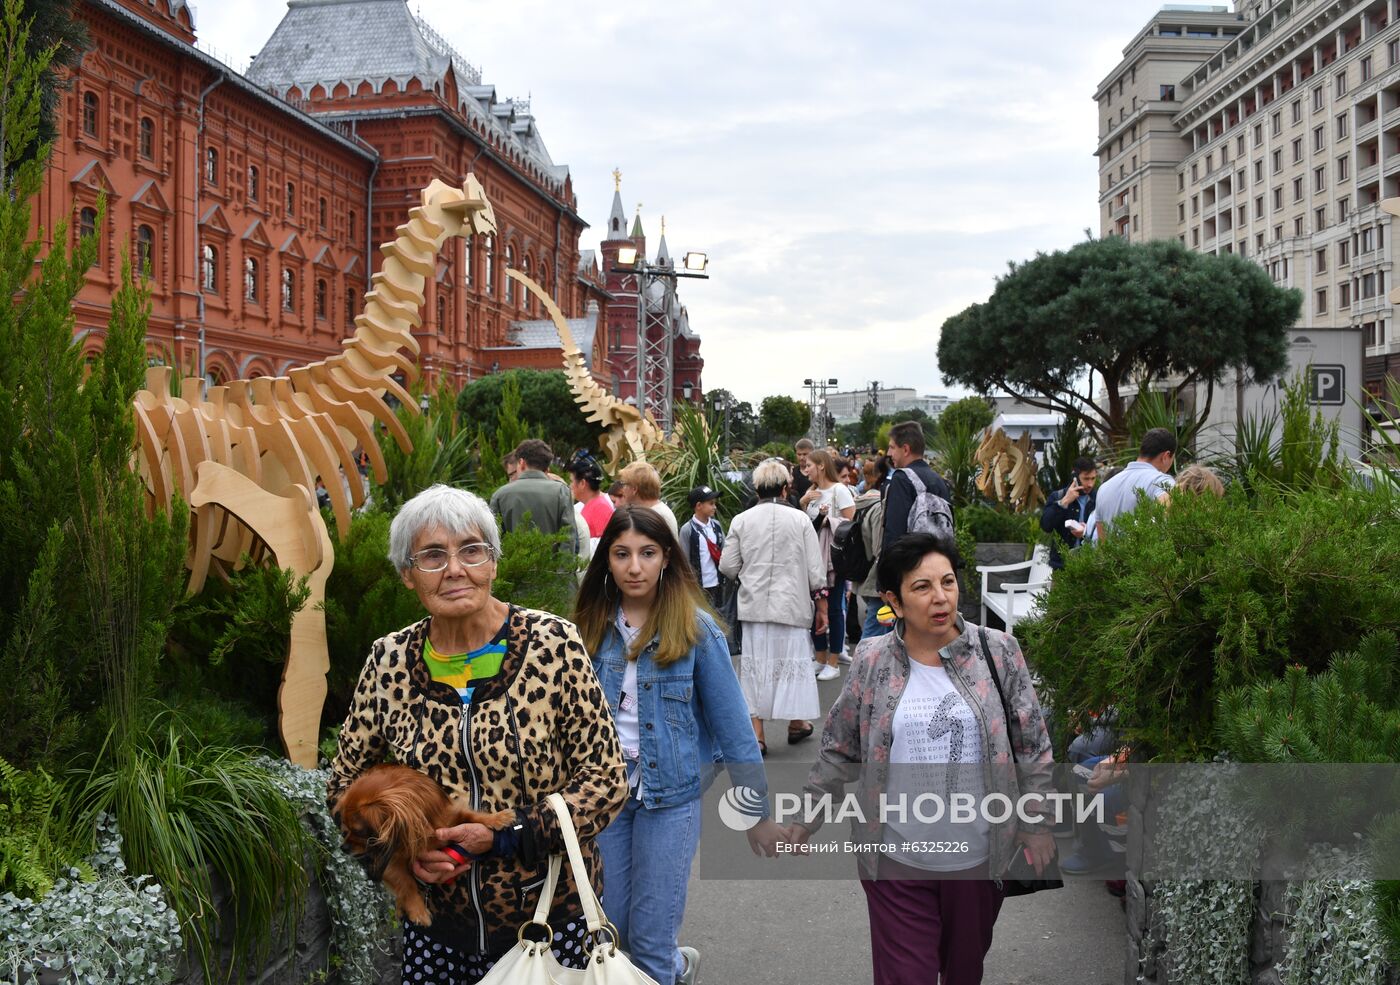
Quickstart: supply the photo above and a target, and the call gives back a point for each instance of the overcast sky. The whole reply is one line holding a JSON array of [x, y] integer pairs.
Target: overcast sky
[[856, 172]]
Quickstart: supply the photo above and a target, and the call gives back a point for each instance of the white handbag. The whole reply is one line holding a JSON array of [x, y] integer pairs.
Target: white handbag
[[533, 963]]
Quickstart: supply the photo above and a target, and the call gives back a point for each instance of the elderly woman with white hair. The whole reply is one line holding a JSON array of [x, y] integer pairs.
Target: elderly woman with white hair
[[773, 551], [501, 707]]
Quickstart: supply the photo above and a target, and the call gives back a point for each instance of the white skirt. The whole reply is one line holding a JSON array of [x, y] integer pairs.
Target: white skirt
[[775, 671]]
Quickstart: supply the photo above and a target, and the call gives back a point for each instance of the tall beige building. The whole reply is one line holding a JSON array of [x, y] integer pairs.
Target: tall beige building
[[1271, 129]]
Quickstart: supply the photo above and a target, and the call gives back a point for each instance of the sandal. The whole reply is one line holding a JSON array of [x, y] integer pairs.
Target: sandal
[[797, 735]]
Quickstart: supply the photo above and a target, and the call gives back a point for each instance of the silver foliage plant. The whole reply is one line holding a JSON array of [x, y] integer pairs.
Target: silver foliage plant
[[115, 929], [361, 911], [1334, 932]]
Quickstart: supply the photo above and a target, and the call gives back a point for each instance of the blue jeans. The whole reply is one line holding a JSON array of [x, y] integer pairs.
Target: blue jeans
[[646, 868], [835, 621], [872, 627]]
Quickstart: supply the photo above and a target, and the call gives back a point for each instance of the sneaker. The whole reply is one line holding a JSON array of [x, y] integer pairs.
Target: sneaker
[[692, 966], [847, 655], [828, 673]]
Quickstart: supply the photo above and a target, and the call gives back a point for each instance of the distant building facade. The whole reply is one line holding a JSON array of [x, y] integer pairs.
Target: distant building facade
[[845, 406]]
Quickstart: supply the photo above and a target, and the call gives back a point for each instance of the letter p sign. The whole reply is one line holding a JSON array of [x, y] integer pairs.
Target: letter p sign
[[1327, 384]]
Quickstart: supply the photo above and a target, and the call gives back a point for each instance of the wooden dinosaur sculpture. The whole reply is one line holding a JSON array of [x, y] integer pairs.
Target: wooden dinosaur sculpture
[[629, 430], [1008, 471], [246, 457]]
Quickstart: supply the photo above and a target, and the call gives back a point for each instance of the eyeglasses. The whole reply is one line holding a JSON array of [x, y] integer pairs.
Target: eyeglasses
[[435, 559]]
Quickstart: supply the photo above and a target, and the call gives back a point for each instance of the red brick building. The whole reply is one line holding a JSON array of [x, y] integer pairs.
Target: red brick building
[[258, 200]]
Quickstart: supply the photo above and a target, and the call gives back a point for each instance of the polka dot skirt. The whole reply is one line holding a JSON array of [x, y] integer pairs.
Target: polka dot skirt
[[427, 962]]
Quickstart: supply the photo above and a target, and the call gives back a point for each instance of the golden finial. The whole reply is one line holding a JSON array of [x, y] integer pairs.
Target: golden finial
[[617, 180]]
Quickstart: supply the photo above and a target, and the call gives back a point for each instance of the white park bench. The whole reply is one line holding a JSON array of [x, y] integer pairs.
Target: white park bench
[[1015, 601]]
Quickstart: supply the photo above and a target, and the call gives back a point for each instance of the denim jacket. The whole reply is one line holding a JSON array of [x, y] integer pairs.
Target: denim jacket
[[692, 716]]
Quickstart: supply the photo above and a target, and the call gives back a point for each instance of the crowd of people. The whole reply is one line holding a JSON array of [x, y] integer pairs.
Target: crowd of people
[[684, 640]]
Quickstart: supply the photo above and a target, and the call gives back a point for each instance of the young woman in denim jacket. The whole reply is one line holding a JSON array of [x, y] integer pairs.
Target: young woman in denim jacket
[[665, 669]]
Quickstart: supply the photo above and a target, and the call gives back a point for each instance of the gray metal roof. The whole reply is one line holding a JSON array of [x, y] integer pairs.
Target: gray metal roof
[[330, 42], [541, 334]]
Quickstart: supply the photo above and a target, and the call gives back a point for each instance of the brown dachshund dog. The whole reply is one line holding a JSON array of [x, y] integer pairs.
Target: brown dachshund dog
[[389, 817]]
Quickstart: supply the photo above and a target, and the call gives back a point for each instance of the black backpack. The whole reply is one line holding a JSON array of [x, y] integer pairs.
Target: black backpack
[[848, 554]]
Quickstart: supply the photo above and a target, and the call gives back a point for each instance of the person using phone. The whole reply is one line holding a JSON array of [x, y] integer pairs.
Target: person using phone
[[1068, 510]]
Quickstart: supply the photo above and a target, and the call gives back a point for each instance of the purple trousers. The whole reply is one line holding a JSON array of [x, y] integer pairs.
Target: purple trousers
[[922, 926]]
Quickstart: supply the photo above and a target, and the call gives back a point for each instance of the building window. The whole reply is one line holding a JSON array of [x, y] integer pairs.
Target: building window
[[441, 314], [1181, 212], [1344, 295], [510, 264], [1322, 301], [1319, 179], [211, 165], [145, 251], [250, 279], [1195, 205], [254, 183], [291, 199], [321, 212], [1366, 69], [1368, 240], [1297, 225], [1297, 149], [1341, 129], [1318, 98], [1239, 146], [1343, 167], [321, 297], [1297, 111], [1319, 138], [1258, 242], [1297, 189], [1344, 253], [349, 307], [90, 110], [489, 275], [1258, 170], [1258, 134], [209, 268], [146, 140], [1320, 261], [1259, 207], [1278, 233], [87, 228], [1320, 219], [354, 226], [289, 290], [1196, 237], [1341, 84], [1276, 162], [1278, 198], [1393, 50], [1368, 286], [1195, 173], [1180, 181], [467, 262], [1276, 124]]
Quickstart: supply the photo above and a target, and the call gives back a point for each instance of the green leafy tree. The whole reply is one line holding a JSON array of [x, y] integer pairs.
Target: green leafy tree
[[742, 421], [442, 451], [784, 418], [54, 43], [968, 414], [498, 437], [547, 409], [1107, 314]]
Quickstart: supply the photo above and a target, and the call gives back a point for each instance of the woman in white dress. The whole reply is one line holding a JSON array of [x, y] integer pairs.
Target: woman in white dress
[[773, 552]]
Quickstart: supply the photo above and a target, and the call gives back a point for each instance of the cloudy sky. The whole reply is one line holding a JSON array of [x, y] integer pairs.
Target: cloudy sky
[[856, 172]]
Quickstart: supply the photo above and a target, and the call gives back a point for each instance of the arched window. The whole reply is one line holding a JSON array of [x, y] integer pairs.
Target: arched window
[[90, 110], [87, 227], [467, 262], [510, 284], [526, 298], [254, 183], [321, 297], [250, 279], [209, 268], [146, 251], [146, 143], [354, 226], [289, 290], [321, 212], [490, 276], [291, 199], [211, 165]]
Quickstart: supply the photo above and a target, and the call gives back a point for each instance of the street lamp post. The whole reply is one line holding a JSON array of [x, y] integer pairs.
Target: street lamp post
[[816, 385], [722, 404], [655, 330]]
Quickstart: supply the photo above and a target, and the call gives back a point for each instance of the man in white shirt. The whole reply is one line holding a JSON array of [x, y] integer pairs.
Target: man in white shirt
[[1148, 475], [704, 542]]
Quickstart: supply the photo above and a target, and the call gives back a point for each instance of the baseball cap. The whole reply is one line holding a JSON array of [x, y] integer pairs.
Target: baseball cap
[[702, 493]]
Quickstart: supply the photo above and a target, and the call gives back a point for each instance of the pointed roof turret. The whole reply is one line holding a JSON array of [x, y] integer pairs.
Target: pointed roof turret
[[637, 225], [617, 218], [663, 255]]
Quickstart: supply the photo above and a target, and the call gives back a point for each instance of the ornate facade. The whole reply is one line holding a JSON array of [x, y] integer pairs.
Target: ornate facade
[[258, 200]]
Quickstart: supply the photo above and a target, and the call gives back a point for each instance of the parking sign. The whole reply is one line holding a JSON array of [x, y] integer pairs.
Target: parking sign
[[1327, 384]]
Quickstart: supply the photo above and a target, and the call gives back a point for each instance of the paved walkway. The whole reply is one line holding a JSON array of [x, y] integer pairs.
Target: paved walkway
[[805, 932]]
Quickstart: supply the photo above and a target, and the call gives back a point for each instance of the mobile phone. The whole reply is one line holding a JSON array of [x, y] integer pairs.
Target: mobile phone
[[1083, 772]]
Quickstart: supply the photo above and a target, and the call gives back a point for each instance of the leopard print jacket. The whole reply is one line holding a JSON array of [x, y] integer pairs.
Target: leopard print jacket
[[541, 725]]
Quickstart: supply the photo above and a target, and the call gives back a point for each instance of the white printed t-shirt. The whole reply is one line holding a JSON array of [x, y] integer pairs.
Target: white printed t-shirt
[[936, 749]]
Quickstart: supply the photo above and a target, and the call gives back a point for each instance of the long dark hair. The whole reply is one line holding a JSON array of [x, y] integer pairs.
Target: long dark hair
[[672, 622]]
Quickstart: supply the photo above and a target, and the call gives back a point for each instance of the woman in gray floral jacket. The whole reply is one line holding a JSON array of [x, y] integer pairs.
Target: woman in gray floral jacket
[[920, 722]]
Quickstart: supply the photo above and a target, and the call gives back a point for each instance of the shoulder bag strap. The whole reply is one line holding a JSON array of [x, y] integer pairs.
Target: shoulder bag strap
[[592, 912], [551, 883], [996, 679]]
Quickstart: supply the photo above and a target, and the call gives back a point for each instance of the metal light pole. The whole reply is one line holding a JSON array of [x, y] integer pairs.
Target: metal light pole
[[817, 407], [722, 405], [656, 329]]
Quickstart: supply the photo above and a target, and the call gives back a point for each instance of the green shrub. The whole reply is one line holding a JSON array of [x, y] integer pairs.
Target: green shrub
[[1179, 605], [537, 571], [994, 525], [442, 451]]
